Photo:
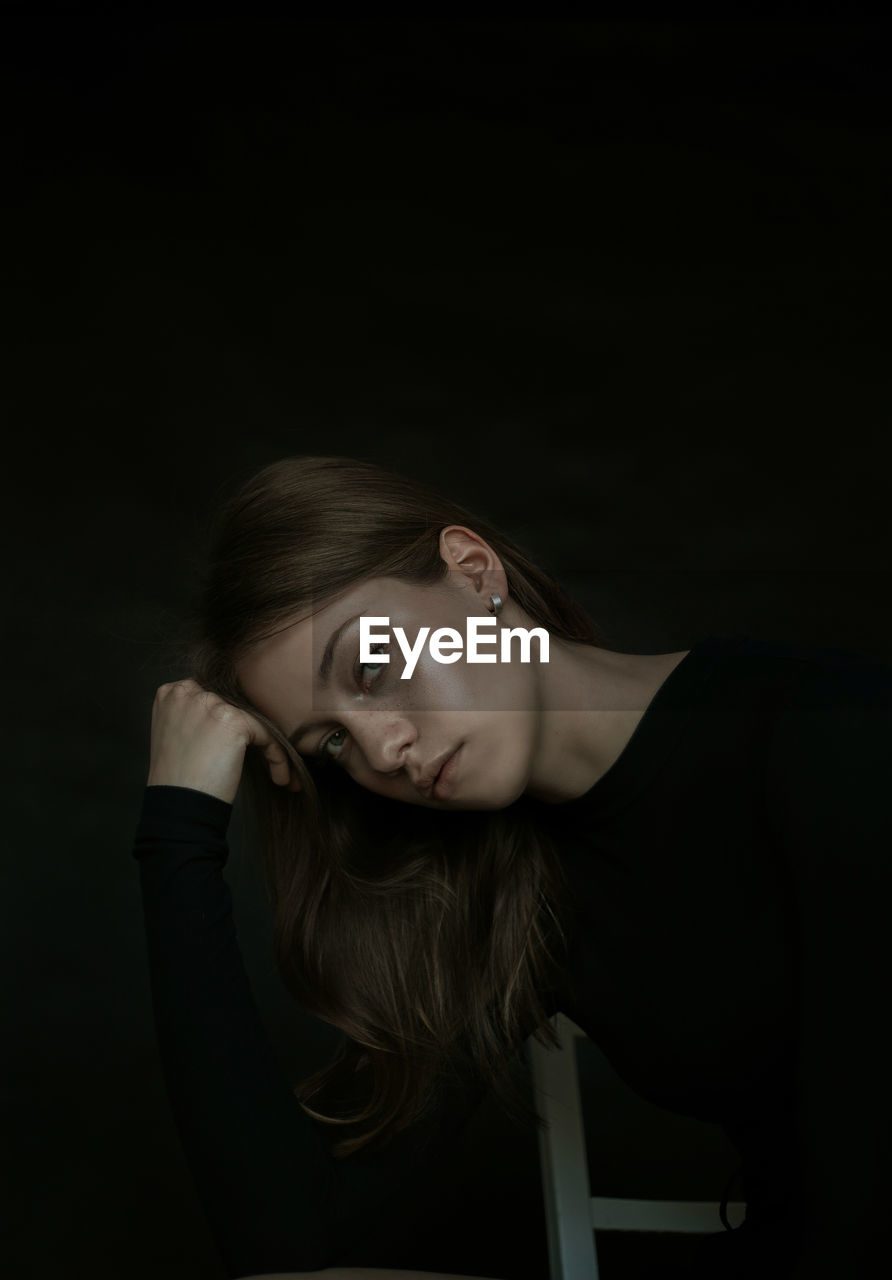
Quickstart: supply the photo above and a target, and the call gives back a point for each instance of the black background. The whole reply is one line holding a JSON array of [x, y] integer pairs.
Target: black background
[[619, 286]]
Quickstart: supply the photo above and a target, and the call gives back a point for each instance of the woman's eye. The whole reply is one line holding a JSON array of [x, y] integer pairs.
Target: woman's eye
[[373, 667], [323, 750]]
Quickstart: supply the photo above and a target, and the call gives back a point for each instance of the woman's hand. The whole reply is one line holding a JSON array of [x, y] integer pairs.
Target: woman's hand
[[199, 741]]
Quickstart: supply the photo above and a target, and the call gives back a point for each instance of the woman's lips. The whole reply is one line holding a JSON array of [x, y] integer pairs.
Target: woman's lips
[[445, 783]]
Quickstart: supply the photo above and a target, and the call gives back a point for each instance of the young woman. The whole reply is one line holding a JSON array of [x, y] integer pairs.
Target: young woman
[[686, 852]]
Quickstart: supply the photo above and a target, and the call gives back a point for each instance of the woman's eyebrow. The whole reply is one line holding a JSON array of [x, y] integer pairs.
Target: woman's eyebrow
[[325, 667]]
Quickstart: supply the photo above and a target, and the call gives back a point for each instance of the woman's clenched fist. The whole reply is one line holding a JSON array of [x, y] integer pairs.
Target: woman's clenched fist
[[199, 741]]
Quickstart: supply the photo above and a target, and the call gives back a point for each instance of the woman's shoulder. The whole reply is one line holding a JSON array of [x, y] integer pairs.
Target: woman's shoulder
[[797, 673]]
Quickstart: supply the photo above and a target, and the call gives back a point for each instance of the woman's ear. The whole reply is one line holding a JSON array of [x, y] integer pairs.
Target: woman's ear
[[474, 562]]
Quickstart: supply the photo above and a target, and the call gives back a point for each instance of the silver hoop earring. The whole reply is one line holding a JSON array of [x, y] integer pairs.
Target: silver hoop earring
[[496, 604]]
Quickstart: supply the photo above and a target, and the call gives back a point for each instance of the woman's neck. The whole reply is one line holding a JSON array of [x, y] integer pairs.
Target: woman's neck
[[591, 703]]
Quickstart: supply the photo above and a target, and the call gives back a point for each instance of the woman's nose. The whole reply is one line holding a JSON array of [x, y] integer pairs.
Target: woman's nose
[[385, 745]]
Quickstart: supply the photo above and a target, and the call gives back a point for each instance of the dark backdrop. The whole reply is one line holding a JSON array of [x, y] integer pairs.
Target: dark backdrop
[[621, 287]]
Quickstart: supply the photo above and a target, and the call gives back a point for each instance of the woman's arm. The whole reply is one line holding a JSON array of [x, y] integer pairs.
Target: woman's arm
[[829, 772], [275, 1197]]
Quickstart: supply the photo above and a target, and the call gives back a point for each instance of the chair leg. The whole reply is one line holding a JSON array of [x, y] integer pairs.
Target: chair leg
[[571, 1239]]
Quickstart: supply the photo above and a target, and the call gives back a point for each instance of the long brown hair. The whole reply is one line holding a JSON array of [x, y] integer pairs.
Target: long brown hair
[[429, 938]]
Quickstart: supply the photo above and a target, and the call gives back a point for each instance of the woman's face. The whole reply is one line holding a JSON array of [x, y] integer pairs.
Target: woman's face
[[393, 735]]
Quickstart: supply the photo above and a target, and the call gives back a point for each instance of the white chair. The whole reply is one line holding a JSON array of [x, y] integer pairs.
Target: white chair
[[572, 1214]]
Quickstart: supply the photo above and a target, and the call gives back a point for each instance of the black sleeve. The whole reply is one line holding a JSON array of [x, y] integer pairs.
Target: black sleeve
[[275, 1197], [829, 776]]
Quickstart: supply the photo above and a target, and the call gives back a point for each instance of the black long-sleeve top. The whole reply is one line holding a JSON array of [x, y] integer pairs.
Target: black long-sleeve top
[[730, 954]]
